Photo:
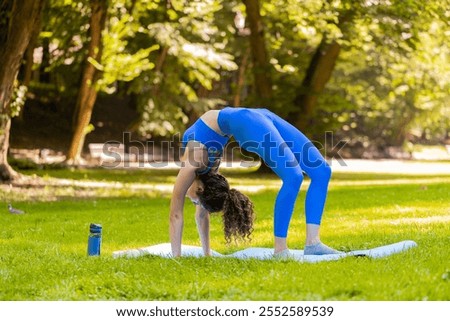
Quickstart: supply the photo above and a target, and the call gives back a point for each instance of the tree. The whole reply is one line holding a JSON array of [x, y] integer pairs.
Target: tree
[[189, 64], [366, 69], [18, 20], [261, 67], [390, 77], [318, 74], [28, 61], [88, 92]]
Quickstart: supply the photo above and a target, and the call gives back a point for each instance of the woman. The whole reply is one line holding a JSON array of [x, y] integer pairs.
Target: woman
[[280, 145]]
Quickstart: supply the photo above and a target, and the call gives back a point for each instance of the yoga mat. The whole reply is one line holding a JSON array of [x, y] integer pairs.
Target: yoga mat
[[164, 250]]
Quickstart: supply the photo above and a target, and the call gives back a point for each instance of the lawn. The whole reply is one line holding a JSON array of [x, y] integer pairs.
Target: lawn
[[43, 253]]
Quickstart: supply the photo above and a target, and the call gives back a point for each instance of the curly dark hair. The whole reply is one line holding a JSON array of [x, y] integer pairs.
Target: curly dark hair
[[237, 209]]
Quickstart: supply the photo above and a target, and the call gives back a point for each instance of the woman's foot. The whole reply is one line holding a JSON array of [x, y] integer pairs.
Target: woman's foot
[[285, 254], [320, 249]]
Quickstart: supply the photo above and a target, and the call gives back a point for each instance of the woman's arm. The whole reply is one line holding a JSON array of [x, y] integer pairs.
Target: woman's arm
[[202, 219], [191, 161], [184, 180]]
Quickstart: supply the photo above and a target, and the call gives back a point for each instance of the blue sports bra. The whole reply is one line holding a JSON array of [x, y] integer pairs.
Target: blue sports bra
[[214, 142]]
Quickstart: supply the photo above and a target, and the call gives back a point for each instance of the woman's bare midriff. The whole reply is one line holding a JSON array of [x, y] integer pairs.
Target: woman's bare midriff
[[210, 119]]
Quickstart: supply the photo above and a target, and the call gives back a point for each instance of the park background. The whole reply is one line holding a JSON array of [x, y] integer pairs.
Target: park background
[[372, 75]]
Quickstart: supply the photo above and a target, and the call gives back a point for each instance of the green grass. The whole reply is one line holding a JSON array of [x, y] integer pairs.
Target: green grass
[[43, 253]]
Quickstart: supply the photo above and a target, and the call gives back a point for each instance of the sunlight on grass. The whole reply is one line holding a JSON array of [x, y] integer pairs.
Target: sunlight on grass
[[418, 221]]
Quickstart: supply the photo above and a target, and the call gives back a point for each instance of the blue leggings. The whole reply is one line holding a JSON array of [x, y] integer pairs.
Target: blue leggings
[[288, 153]]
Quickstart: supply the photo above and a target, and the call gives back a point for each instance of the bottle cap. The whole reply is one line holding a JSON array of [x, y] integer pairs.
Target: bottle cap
[[95, 228]]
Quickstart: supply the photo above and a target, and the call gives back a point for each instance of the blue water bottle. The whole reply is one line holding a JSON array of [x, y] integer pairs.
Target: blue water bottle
[[95, 239]]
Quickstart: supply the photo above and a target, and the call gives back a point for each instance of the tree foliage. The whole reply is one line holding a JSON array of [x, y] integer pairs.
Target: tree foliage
[[178, 58], [394, 79], [189, 63]]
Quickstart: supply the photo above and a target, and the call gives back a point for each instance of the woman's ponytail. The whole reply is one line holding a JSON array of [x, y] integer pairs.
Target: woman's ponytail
[[238, 216]]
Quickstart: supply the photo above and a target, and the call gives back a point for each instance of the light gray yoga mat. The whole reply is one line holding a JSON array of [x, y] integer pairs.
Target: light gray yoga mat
[[164, 250]]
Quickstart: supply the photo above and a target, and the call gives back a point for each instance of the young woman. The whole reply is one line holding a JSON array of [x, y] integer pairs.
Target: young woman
[[281, 146]]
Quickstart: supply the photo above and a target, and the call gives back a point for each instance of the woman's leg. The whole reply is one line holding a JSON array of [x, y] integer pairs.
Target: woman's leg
[[287, 168], [263, 138], [311, 162], [315, 166]]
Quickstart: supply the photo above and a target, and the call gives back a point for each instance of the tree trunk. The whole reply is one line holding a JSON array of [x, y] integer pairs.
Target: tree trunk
[[317, 76], [241, 78], [18, 19], [158, 69], [87, 94], [29, 54], [261, 66], [29, 62], [44, 74], [7, 174]]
